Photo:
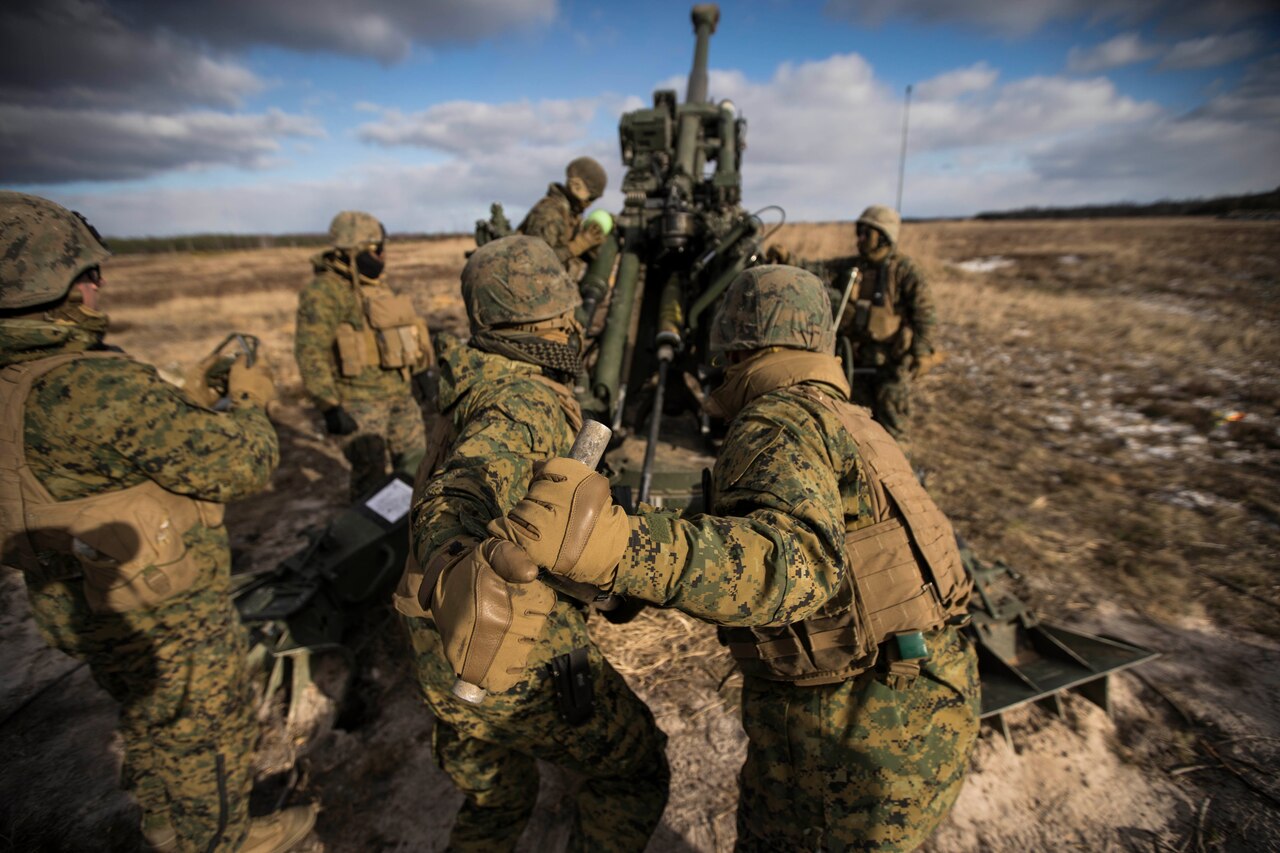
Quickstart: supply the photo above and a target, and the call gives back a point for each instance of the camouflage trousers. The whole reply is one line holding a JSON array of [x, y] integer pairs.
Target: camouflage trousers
[[178, 672], [388, 430], [490, 751], [871, 763], [887, 393]]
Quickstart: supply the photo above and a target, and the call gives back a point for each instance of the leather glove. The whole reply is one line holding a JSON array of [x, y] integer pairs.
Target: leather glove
[[252, 384], [588, 237], [777, 255], [923, 363], [338, 422], [567, 524], [488, 626]]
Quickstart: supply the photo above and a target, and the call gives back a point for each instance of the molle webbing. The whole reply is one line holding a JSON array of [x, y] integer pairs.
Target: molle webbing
[[16, 479], [902, 573], [130, 542]]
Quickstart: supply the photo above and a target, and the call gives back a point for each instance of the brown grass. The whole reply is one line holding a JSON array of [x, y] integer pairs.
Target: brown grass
[[1078, 429]]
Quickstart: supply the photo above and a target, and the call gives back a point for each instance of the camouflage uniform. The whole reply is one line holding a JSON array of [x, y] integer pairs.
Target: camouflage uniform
[[379, 399], [898, 284], [506, 416], [557, 217], [852, 745], [177, 669]]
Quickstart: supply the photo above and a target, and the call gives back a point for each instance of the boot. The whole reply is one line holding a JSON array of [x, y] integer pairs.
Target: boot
[[279, 832]]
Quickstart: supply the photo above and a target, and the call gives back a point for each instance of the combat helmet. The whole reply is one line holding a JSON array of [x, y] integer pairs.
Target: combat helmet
[[514, 280], [591, 173], [46, 248], [355, 229], [886, 220], [774, 306]]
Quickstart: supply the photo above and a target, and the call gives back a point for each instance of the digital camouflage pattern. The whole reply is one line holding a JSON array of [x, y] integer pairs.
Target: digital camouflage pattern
[[872, 763], [355, 229], [886, 391], [380, 400], [177, 669], [853, 761], [43, 248], [506, 419], [554, 219], [515, 280], [884, 219], [773, 305]]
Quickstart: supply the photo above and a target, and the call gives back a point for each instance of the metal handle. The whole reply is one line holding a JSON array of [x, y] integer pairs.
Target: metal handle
[[588, 448]]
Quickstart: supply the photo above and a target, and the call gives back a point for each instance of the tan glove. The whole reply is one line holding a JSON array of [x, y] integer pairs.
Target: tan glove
[[922, 364], [489, 626], [588, 237], [253, 384], [567, 524]]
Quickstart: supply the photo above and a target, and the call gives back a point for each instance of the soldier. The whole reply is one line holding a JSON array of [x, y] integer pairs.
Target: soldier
[[557, 217], [113, 491], [508, 399], [835, 577], [889, 318], [359, 345]]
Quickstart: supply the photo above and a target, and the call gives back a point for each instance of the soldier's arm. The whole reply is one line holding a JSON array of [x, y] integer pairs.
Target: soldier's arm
[[182, 446], [773, 555], [489, 466], [545, 221], [918, 305], [313, 346]]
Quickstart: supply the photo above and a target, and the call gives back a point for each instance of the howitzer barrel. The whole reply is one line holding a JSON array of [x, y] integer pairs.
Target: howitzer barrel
[[613, 345], [705, 17]]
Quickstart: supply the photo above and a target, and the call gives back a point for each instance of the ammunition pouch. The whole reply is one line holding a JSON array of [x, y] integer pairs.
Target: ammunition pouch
[[399, 336], [354, 349], [129, 542], [903, 574]]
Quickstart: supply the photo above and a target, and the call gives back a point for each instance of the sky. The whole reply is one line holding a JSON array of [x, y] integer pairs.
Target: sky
[[157, 117]]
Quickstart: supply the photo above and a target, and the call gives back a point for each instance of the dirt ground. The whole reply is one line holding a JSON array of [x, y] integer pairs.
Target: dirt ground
[[1106, 421]]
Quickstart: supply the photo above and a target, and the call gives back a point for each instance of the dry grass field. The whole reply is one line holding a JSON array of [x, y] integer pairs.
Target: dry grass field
[[1107, 421]]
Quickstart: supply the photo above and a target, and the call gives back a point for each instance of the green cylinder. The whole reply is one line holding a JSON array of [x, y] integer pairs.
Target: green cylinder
[[613, 343], [596, 282]]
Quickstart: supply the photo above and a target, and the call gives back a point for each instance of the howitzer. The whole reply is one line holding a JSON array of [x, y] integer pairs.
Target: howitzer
[[682, 237]]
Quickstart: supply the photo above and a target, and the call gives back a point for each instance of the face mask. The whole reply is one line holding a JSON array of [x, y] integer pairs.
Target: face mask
[[369, 265], [74, 312]]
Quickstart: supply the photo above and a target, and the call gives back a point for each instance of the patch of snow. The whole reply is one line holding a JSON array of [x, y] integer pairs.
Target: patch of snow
[[982, 265]]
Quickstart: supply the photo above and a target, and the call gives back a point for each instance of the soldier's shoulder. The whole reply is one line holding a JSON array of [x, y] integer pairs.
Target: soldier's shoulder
[[99, 382], [905, 264]]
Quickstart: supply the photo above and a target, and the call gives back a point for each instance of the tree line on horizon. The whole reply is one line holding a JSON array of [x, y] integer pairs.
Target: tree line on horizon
[[1252, 205]]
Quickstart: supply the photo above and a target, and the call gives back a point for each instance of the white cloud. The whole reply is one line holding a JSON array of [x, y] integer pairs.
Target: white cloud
[[1028, 16], [77, 53], [1211, 50], [823, 142], [1124, 49], [46, 145], [458, 127], [976, 78], [385, 30]]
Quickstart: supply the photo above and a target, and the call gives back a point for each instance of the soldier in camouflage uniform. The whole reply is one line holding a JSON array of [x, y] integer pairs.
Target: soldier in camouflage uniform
[[889, 318], [358, 346], [112, 486], [508, 402], [557, 217], [836, 579]]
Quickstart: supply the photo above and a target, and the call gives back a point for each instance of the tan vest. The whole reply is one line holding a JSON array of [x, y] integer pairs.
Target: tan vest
[[878, 319], [128, 542], [902, 573], [393, 338], [440, 437]]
